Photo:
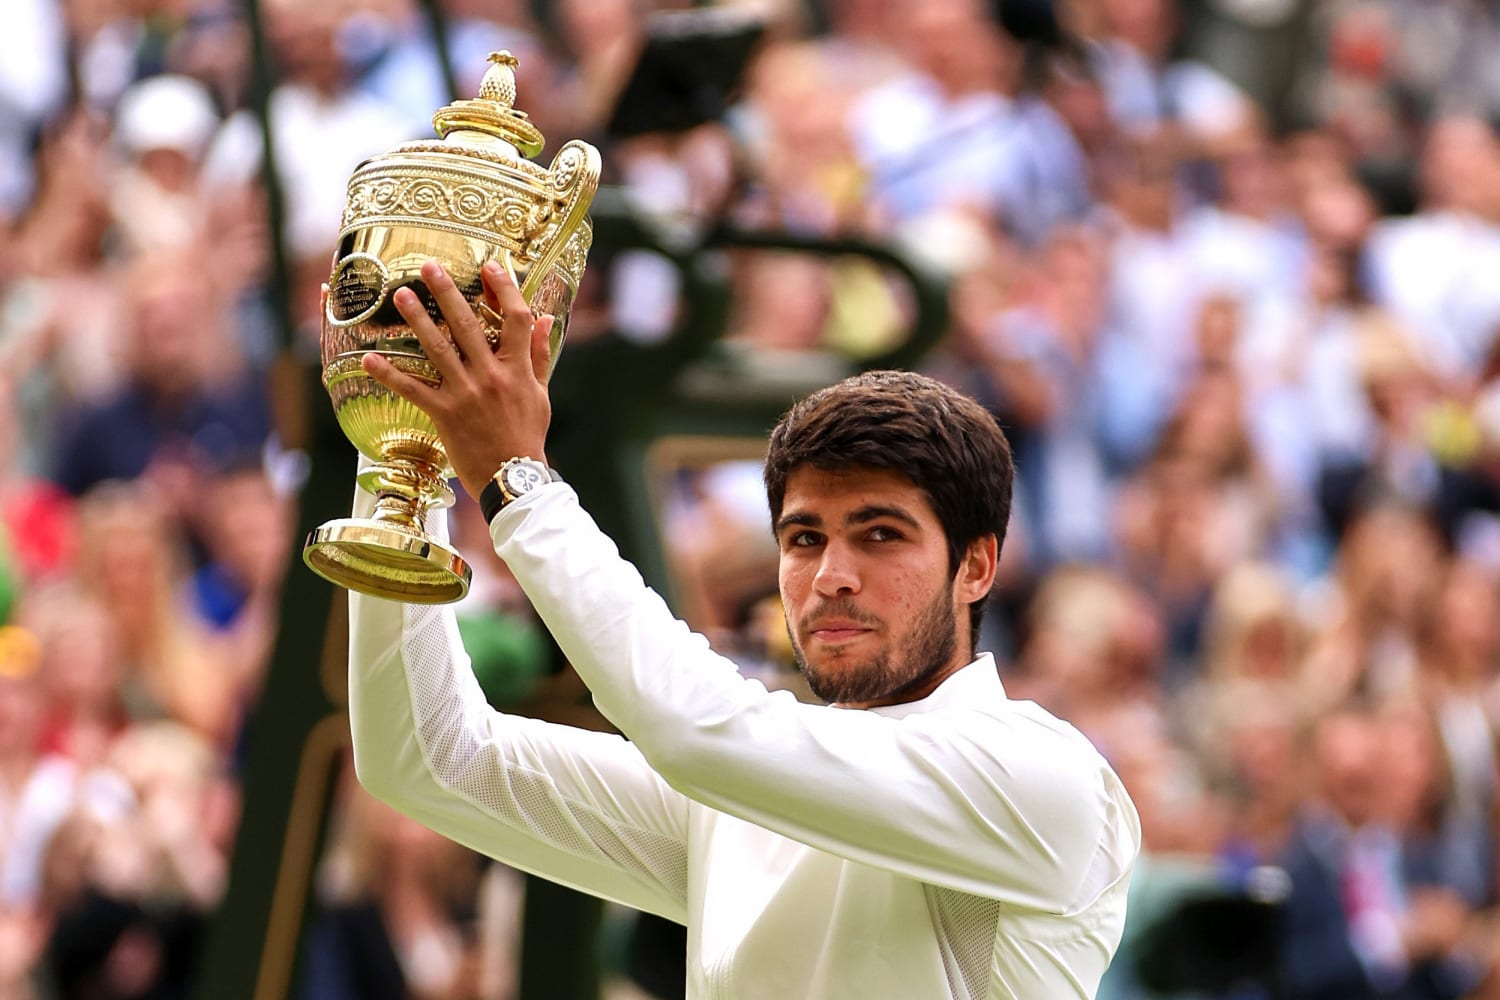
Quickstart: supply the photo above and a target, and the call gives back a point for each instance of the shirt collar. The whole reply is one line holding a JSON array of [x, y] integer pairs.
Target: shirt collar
[[977, 683]]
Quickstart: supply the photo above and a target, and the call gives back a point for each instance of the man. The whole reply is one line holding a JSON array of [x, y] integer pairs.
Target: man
[[922, 837]]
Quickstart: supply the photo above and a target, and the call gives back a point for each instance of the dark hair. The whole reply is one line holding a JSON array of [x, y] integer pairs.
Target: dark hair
[[948, 445]]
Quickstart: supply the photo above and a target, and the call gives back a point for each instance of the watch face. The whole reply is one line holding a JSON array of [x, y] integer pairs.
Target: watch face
[[523, 477]]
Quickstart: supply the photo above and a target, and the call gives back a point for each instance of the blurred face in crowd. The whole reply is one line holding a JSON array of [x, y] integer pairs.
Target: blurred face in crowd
[[1330, 277], [81, 651], [1388, 566], [247, 528], [1252, 630], [127, 550], [1411, 766], [596, 24], [1148, 26], [1264, 752], [1218, 329], [1336, 210], [1251, 174], [958, 44], [1076, 274], [1399, 394], [863, 19], [1143, 184], [20, 707], [170, 310], [1076, 96], [1076, 630], [1208, 432], [1467, 618], [800, 288], [304, 37], [1176, 817], [83, 17], [1459, 164], [1348, 751], [871, 605]]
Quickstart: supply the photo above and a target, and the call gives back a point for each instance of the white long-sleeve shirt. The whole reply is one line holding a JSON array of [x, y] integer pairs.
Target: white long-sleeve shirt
[[964, 845]]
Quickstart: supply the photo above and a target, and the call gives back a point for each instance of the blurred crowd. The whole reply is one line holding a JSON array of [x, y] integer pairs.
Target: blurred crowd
[[1224, 269]]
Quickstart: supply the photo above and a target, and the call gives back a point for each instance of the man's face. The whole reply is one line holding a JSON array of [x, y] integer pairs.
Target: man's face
[[871, 605]]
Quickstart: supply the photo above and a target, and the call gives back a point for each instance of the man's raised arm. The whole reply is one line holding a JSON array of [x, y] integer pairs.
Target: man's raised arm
[[577, 807]]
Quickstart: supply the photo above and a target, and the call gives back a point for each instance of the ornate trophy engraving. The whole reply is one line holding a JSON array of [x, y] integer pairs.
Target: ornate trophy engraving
[[466, 199]]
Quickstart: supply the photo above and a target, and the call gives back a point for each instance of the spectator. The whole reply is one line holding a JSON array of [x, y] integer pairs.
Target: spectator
[[36, 789], [185, 408], [83, 673], [244, 531], [395, 922], [130, 915], [133, 562], [1360, 921], [162, 128]]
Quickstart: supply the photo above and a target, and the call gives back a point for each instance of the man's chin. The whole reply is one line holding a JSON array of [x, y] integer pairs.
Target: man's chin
[[845, 682]]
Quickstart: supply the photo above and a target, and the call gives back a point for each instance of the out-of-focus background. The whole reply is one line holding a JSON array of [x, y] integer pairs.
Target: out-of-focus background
[[1227, 271]]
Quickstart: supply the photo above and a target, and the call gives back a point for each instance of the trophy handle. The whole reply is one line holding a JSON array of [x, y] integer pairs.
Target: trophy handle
[[575, 177]]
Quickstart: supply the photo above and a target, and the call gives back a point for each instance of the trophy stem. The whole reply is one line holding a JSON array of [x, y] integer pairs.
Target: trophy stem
[[389, 554], [405, 490]]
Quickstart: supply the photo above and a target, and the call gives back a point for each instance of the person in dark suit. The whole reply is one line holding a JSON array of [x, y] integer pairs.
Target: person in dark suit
[[1366, 916]]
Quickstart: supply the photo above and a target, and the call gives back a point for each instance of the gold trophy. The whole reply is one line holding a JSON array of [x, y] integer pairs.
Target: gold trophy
[[469, 198]]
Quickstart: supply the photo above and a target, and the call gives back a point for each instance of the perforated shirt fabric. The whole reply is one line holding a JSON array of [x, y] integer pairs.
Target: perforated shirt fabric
[[965, 845]]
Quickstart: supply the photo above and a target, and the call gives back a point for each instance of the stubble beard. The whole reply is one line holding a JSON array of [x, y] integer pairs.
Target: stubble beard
[[890, 673]]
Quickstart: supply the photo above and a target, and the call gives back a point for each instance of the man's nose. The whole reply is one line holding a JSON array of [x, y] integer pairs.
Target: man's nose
[[837, 572]]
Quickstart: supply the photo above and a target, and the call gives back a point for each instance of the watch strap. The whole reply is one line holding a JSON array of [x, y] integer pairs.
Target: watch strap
[[491, 500]]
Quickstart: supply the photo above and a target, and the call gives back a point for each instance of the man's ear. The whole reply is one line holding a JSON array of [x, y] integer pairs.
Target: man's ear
[[976, 571]]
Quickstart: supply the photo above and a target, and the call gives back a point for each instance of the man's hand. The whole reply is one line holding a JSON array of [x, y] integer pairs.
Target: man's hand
[[1434, 924], [492, 405]]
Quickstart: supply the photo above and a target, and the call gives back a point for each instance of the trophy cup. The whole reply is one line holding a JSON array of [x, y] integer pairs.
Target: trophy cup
[[468, 198]]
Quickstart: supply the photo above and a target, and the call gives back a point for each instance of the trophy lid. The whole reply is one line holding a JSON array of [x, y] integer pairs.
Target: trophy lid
[[492, 113]]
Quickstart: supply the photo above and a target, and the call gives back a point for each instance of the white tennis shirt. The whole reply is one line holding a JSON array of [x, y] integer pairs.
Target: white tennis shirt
[[964, 845]]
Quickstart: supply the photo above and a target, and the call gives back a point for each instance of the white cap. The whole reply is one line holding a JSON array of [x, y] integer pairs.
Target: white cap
[[165, 112]]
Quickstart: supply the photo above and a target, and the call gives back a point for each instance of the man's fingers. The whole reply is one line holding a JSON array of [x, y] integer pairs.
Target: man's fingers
[[492, 278], [438, 348], [541, 348], [408, 387], [463, 324], [507, 297], [515, 333]]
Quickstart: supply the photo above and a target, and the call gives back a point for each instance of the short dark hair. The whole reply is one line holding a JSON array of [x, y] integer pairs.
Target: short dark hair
[[948, 445]]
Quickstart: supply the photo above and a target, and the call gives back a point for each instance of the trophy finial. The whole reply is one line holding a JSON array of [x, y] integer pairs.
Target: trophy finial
[[493, 112], [499, 83]]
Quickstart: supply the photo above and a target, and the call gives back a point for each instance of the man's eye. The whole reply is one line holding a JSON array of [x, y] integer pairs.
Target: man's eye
[[882, 534], [803, 539]]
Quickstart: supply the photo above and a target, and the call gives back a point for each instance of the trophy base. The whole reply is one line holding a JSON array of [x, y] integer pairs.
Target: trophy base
[[382, 560]]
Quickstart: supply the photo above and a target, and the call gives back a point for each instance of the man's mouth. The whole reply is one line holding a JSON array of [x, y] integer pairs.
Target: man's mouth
[[838, 631]]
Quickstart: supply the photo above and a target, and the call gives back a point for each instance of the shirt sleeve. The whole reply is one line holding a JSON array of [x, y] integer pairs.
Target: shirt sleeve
[[999, 801], [580, 808]]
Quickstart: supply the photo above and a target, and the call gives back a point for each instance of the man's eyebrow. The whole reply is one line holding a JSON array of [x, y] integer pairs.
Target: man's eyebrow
[[864, 515], [874, 512], [804, 520]]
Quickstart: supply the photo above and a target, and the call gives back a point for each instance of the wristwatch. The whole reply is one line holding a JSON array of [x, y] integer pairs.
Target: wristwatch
[[516, 478]]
